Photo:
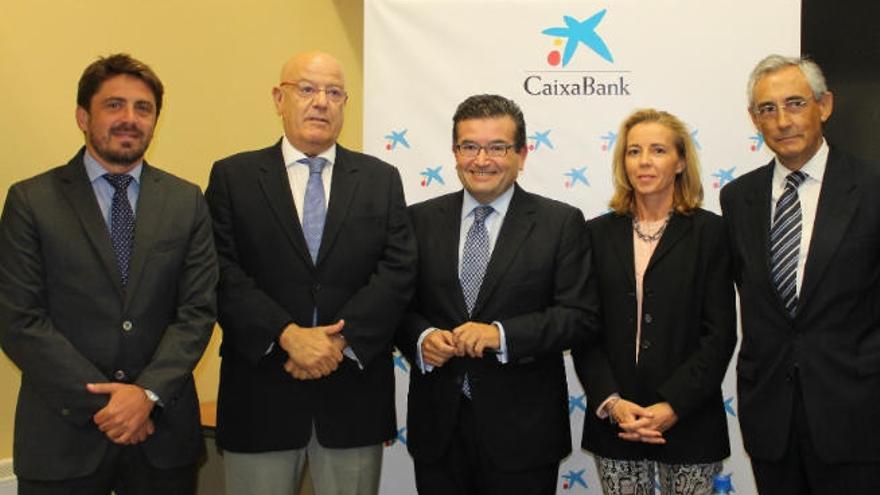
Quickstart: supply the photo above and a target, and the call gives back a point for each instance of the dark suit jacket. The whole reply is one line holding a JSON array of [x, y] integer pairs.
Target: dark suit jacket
[[833, 341], [688, 335], [364, 274], [66, 321], [536, 285]]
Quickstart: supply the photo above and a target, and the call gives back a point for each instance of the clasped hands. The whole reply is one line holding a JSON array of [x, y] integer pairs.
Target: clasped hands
[[643, 424], [468, 339], [126, 417], [312, 352]]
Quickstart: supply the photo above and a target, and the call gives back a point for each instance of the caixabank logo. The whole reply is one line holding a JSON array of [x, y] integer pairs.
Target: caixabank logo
[[582, 45]]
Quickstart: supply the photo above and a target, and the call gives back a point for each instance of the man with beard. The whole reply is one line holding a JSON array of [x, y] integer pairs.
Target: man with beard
[[107, 280]]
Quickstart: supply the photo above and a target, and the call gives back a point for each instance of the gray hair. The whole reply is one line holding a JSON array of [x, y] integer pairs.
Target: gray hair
[[773, 63]]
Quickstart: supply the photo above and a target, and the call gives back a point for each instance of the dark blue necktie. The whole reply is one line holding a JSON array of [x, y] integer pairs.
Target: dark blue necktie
[[785, 241], [121, 222], [314, 206], [474, 261]]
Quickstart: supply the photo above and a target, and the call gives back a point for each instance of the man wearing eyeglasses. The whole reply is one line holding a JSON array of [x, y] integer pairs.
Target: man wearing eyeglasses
[[502, 292], [805, 232], [317, 262]]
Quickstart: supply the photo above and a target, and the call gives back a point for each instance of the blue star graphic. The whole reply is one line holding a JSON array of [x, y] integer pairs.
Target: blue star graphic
[[724, 175], [401, 435], [577, 402], [728, 406], [542, 138], [581, 32], [432, 174], [398, 137], [400, 361], [609, 139], [575, 478], [758, 138], [695, 140], [578, 175]]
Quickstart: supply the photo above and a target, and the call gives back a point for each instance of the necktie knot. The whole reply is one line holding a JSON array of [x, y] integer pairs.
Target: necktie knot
[[481, 212], [120, 182], [795, 179], [315, 163]]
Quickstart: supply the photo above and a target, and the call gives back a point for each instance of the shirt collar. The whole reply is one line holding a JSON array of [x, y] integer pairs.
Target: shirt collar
[[292, 155], [814, 168], [500, 204], [95, 171]]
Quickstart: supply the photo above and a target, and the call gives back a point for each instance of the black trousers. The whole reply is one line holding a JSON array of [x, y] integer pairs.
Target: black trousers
[[465, 469], [801, 471], [125, 470]]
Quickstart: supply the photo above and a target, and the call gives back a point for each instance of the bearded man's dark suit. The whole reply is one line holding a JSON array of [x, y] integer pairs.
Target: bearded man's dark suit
[[66, 320]]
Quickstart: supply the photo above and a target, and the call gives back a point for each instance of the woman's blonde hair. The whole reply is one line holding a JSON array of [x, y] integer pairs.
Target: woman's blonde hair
[[688, 193]]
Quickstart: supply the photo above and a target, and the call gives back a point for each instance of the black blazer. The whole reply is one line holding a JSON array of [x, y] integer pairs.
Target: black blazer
[[833, 341], [536, 285], [364, 274], [688, 335], [66, 321]]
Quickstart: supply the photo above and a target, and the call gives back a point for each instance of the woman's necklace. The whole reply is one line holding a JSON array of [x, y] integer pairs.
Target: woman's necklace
[[650, 237]]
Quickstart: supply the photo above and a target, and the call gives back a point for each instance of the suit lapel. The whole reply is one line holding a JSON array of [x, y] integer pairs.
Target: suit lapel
[[276, 187], [448, 225], [622, 238], [81, 197], [678, 226], [345, 182], [150, 212], [837, 205], [518, 222], [757, 229]]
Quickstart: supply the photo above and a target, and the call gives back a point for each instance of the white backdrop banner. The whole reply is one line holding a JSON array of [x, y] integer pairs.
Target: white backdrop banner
[[577, 69]]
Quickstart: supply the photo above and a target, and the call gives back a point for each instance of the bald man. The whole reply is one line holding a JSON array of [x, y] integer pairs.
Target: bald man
[[317, 262]]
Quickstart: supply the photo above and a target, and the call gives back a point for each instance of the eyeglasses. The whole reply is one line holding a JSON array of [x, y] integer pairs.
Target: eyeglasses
[[793, 106], [471, 150], [307, 91]]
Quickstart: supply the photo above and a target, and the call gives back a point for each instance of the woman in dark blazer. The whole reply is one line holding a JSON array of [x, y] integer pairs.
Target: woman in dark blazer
[[668, 328]]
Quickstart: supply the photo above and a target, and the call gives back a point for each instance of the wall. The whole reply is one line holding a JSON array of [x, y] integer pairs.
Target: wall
[[218, 60]]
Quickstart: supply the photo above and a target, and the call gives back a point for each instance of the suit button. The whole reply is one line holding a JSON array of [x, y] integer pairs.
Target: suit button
[[645, 345], [648, 318], [65, 411], [119, 375], [127, 326]]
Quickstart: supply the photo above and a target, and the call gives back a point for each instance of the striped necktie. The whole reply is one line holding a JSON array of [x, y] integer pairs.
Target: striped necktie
[[785, 242]]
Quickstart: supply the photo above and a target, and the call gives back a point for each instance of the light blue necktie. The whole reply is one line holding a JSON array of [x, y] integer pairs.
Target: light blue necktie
[[314, 206], [785, 241], [121, 222], [474, 260]]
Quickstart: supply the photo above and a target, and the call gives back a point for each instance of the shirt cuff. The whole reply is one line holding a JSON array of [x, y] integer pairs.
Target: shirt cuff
[[604, 409], [502, 349], [424, 367]]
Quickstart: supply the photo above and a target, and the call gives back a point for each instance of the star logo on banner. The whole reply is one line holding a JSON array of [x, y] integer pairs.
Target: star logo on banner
[[430, 175], [400, 362], [572, 479], [540, 138], [609, 139], [401, 437], [757, 141], [728, 406], [576, 32], [722, 177], [577, 402], [695, 140], [395, 138], [576, 175]]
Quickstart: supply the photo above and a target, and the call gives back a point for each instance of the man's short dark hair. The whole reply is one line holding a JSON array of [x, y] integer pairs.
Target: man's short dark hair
[[114, 65], [489, 106]]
